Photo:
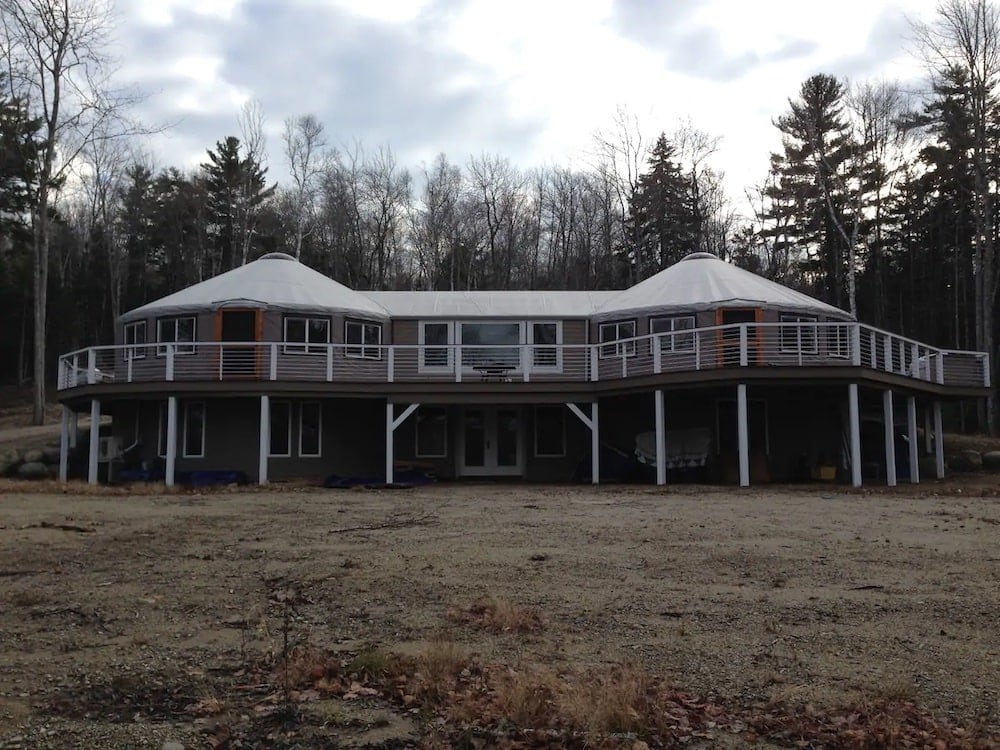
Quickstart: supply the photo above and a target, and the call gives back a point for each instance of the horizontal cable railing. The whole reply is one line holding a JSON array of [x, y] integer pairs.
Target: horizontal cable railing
[[798, 344]]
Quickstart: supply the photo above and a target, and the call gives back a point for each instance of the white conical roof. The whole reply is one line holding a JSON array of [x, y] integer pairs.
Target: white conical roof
[[275, 280], [701, 281]]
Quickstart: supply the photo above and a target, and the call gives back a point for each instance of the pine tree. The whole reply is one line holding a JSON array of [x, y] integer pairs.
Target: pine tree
[[663, 215]]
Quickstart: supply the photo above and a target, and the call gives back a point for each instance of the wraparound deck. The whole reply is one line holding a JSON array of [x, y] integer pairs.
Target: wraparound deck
[[776, 347]]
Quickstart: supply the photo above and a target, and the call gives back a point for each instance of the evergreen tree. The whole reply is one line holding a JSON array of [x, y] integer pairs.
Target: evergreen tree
[[663, 215]]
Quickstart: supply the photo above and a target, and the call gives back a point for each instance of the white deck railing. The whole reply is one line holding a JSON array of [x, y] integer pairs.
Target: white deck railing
[[729, 346]]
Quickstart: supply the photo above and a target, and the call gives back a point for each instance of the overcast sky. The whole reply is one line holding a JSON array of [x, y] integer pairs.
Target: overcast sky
[[528, 79]]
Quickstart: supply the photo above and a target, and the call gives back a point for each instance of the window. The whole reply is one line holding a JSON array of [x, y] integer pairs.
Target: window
[[491, 344], [175, 331], [194, 429], [306, 335], [161, 435], [679, 342], [367, 335], [281, 429], [614, 332], [310, 429], [838, 340], [799, 339], [432, 432], [550, 431], [435, 342], [135, 340], [545, 340], [191, 415]]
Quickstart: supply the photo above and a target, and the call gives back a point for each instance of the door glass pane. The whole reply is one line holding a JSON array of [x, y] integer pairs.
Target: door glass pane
[[485, 344], [507, 434], [475, 438]]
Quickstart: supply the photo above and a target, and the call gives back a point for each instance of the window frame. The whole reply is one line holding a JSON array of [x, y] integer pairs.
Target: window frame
[[535, 422], [182, 347], [799, 345], [530, 334], [307, 346], [838, 339], [365, 349], [134, 349], [423, 412], [270, 429], [449, 347], [319, 428], [627, 349], [184, 428], [668, 344]]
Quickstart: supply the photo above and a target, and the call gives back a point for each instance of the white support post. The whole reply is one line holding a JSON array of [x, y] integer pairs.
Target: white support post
[[274, 361], [661, 440], [390, 365], [95, 439], [595, 447], [91, 366], [128, 369], [890, 448], [911, 424], [171, 439], [169, 375], [874, 347], [743, 434], [64, 445], [388, 442], [697, 351], [264, 447], [594, 363], [856, 344], [329, 364], [986, 371], [624, 356], [525, 355], [940, 368], [657, 354], [915, 361], [744, 359], [855, 420], [458, 364], [938, 441], [888, 354]]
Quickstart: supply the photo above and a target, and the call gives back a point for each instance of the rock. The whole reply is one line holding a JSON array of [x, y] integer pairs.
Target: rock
[[9, 461], [967, 460], [33, 470], [33, 456], [50, 454], [991, 460]]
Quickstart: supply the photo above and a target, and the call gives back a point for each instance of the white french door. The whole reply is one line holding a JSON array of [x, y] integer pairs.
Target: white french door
[[491, 441]]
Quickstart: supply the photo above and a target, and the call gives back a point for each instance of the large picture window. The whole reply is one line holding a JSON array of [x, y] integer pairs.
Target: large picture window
[[435, 346], [281, 429], [180, 331], [679, 341], [545, 339], [550, 431], [611, 335], [306, 335], [363, 339], [310, 429], [432, 432], [491, 344], [135, 340], [798, 338]]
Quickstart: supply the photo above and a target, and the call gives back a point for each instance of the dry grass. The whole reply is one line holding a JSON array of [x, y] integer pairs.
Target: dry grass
[[498, 615]]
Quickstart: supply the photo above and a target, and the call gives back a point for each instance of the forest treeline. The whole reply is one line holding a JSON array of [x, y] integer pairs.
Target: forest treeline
[[881, 201]]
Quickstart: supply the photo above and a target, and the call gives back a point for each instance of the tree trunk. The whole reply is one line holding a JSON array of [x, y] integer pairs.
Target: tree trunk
[[41, 280]]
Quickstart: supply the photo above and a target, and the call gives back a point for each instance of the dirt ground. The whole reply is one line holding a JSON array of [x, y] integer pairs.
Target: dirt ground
[[125, 615]]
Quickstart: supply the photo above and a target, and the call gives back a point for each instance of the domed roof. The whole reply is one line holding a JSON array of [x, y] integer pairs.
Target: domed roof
[[275, 280], [700, 281]]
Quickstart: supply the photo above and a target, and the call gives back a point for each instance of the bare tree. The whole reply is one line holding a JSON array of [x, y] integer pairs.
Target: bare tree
[[966, 36], [304, 142], [251, 122], [55, 53]]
